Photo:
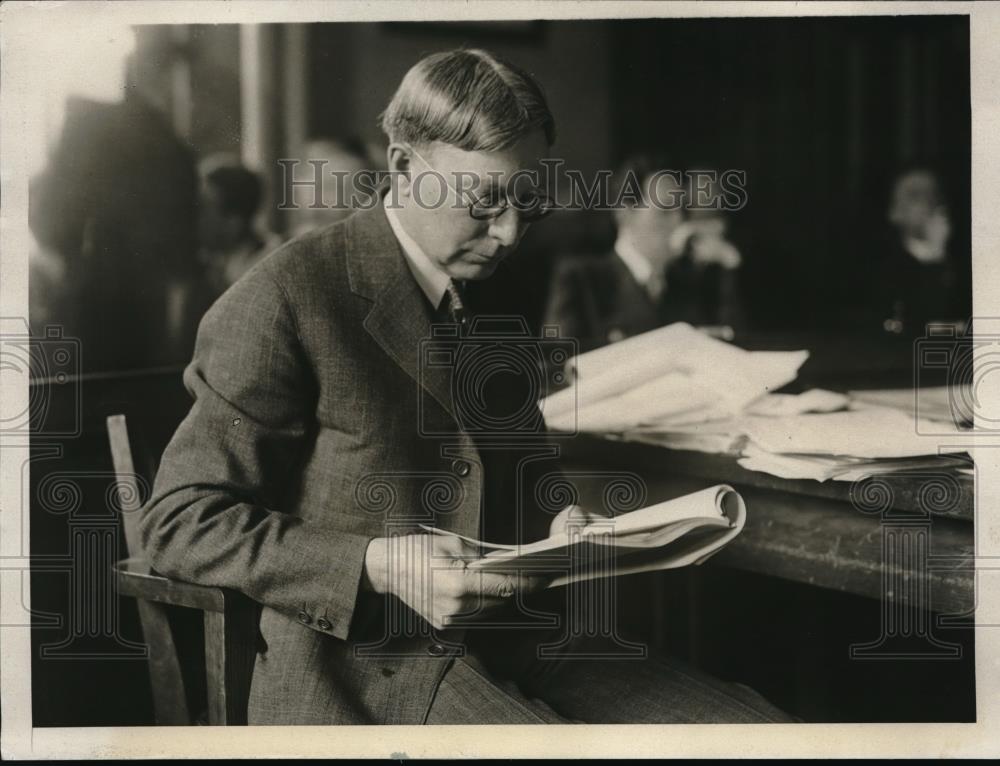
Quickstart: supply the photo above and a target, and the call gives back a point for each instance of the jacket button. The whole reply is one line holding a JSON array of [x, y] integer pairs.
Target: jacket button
[[435, 650], [305, 618], [324, 624], [461, 467]]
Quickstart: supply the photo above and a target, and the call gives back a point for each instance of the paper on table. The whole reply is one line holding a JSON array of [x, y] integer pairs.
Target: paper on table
[[813, 400], [938, 463], [943, 403], [712, 443], [787, 466], [770, 405], [616, 368], [673, 393], [669, 370], [842, 468], [715, 436], [870, 433], [700, 431]]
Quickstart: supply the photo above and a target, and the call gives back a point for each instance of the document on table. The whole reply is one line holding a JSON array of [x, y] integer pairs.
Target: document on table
[[674, 372], [939, 403], [840, 467]]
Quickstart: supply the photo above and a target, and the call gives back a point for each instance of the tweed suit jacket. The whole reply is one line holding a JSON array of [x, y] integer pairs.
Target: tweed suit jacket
[[316, 426]]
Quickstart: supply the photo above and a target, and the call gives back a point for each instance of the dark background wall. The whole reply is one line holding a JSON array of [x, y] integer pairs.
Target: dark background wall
[[819, 112]]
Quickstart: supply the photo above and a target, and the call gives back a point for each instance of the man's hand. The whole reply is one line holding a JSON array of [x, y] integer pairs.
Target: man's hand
[[430, 574], [710, 249], [574, 515]]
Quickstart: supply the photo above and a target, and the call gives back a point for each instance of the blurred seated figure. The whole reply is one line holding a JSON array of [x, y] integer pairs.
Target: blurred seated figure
[[920, 278], [113, 215], [230, 243], [325, 174], [669, 263]]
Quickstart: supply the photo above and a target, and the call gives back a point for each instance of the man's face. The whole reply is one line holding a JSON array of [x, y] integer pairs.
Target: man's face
[[916, 197], [649, 226], [462, 246]]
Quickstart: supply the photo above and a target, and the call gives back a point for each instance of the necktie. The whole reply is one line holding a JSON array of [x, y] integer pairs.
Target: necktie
[[452, 305], [656, 285]]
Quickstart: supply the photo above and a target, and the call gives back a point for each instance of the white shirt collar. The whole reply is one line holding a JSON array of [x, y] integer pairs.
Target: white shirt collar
[[433, 280], [634, 260]]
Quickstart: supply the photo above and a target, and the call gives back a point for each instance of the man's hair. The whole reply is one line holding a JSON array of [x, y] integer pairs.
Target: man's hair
[[239, 189], [469, 99], [926, 165], [635, 172]]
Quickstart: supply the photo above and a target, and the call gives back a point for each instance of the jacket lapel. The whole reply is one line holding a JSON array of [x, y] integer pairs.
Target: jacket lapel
[[400, 316], [630, 291]]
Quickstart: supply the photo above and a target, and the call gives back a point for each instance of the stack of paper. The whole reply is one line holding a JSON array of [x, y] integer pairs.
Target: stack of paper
[[839, 467], [875, 432], [677, 388], [845, 445], [671, 376], [696, 440], [813, 400], [939, 403]]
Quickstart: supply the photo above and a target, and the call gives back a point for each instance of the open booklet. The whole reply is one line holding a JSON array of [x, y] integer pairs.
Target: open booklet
[[675, 533]]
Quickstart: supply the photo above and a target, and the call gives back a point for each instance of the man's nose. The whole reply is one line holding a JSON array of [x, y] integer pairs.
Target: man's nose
[[507, 227]]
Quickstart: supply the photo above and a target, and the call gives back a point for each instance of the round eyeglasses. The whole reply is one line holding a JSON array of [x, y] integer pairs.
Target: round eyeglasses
[[531, 204]]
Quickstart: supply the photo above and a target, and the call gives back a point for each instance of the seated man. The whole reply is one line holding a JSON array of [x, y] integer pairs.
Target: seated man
[[921, 276], [322, 441], [670, 263]]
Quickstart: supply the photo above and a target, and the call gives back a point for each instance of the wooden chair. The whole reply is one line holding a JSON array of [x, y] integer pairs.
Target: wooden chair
[[230, 618]]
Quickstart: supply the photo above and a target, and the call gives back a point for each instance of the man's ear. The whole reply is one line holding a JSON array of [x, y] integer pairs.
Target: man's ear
[[398, 159]]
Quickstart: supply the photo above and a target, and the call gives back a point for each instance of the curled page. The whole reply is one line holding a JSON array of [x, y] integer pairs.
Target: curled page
[[675, 533]]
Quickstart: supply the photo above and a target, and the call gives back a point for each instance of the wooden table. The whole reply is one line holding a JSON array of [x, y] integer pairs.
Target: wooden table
[[906, 539]]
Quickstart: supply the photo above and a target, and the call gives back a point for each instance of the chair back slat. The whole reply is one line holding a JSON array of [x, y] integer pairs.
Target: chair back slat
[[130, 483], [230, 619]]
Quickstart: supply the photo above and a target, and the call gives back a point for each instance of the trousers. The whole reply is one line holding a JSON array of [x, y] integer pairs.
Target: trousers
[[504, 680]]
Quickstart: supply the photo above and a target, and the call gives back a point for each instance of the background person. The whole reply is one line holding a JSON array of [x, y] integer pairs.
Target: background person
[[230, 241], [668, 264], [114, 217], [920, 278], [321, 205]]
